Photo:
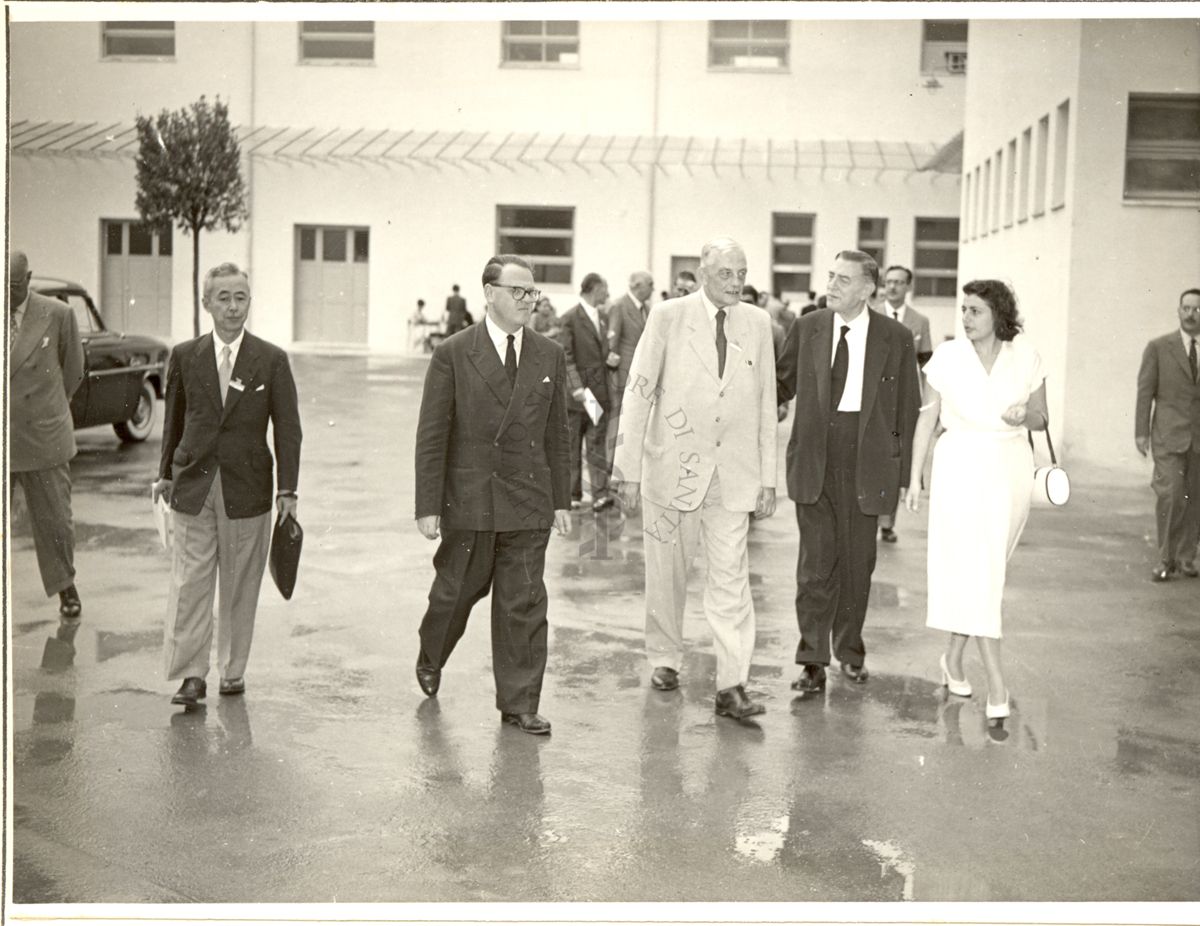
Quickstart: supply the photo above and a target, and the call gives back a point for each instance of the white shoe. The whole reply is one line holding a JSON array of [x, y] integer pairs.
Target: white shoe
[[997, 711], [960, 687]]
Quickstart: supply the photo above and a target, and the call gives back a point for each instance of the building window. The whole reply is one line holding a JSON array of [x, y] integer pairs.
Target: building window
[[998, 190], [548, 42], [968, 204], [748, 43], [979, 203], [1039, 178], [1162, 147], [944, 47], [1010, 181], [1062, 125], [872, 239], [138, 39], [985, 199], [545, 236], [935, 258], [1023, 196], [337, 41], [791, 254]]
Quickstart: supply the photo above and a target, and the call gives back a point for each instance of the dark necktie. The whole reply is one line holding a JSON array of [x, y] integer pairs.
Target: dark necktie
[[1192, 359], [721, 343], [645, 311], [841, 366], [510, 360]]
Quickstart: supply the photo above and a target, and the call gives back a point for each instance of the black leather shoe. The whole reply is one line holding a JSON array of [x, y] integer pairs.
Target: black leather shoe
[[811, 679], [733, 702], [429, 678], [528, 723], [1189, 570], [69, 604], [887, 535], [232, 686], [191, 691], [1162, 572], [603, 504], [664, 678], [856, 674]]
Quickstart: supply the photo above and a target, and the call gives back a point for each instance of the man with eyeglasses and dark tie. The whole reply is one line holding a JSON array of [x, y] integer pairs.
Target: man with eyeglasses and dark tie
[[1167, 425], [223, 388], [493, 476]]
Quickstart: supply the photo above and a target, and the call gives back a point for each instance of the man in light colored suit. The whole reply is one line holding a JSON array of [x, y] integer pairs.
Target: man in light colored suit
[[1167, 423], [626, 321], [697, 448], [897, 281], [223, 389], [45, 368]]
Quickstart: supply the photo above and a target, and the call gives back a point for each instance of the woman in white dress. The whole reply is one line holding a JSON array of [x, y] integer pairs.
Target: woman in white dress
[[987, 388]]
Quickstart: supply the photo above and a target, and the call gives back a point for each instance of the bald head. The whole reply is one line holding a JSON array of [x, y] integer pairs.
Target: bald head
[[641, 284], [723, 271], [18, 278]]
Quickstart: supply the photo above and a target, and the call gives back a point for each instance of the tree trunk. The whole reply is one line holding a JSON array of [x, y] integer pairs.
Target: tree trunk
[[195, 282]]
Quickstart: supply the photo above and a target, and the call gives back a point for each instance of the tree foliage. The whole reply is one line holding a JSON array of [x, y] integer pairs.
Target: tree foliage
[[189, 174]]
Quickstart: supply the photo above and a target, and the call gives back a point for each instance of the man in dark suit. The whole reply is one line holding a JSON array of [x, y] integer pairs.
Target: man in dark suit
[[854, 375], [1167, 423], [584, 338], [45, 368], [457, 317], [626, 322], [493, 476], [223, 389]]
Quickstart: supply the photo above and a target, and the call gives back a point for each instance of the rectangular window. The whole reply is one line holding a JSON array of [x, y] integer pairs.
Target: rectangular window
[[113, 243], [935, 258], [976, 222], [968, 204], [362, 246], [1010, 181], [985, 218], [545, 236], [1039, 185], [141, 240], [791, 253], [872, 238], [308, 244], [749, 43], [333, 245], [138, 39], [542, 42], [1062, 126], [998, 190], [1023, 196], [944, 47], [337, 41], [1162, 147]]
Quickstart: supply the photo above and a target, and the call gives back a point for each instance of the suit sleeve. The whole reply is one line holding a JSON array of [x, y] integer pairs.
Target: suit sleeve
[[433, 433], [174, 410], [641, 391], [1147, 386], [557, 438], [785, 365], [70, 353], [926, 350], [768, 407], [566, 337], [285, 421], [909, 399]]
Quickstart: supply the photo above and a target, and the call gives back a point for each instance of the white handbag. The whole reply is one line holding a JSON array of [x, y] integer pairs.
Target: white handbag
[[1051, 485]]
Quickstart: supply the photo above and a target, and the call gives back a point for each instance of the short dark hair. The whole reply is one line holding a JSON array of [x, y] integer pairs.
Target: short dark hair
[[454, 288], [1188, 292], [748, 290], [869, 266], [590, 282], [495, 266], [686, 275], [1003, 303], [907, 272]]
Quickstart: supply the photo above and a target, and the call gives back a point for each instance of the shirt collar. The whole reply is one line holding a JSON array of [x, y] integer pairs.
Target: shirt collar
[[638, 303], [500, 337], [1187, 339], [711, 307], [857, 327], [234, 346], [904, 306], [20, 310]]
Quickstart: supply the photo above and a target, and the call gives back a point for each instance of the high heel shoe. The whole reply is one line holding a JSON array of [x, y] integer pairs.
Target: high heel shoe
[[997, 711], [960, 687]]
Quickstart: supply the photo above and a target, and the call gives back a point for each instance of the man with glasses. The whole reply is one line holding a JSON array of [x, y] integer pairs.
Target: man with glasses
[[492, 477], [223, 389], [1167, 424]]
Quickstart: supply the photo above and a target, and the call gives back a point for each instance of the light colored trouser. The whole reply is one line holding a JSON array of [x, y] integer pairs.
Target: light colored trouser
[[48, 500], [207, 544], [670, 540]]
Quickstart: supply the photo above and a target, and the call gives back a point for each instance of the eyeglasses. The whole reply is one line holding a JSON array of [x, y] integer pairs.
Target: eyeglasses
[[521, 292]]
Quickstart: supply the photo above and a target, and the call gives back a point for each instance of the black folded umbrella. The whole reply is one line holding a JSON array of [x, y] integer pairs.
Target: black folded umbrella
[[286, 541]]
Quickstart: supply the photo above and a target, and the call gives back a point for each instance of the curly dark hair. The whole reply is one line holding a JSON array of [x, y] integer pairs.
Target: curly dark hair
[[1003, 303]]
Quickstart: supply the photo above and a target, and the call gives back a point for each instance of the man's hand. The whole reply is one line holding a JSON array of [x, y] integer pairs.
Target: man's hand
[[765, 506], [1014, 414], [912, 498], [578, 395], [613, 359], [286, 504], [1143, 444], [160, 487], [562, 521], [627, 493], [428, 526]]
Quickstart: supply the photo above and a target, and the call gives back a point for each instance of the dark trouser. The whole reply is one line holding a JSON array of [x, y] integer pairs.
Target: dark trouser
[[837, 556], [1177, 484], [48, 498], [597, 453], [510, 563]]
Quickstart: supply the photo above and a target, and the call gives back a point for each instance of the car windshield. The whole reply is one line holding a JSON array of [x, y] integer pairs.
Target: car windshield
[[83, 318]]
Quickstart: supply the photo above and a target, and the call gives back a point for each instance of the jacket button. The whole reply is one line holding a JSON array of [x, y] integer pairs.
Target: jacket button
[[718, 419], [718, 443]]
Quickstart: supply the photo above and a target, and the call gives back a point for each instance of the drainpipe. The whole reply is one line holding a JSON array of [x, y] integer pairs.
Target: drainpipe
[[654, 135]]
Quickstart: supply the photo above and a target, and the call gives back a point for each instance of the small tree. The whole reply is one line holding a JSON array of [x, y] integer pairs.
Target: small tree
[[189, 173]]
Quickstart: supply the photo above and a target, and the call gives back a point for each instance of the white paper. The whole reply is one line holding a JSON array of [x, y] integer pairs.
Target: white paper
[[162, 521], [592, 406]]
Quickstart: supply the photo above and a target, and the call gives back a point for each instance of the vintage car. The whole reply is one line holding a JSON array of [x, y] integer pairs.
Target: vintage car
[[123, 373]]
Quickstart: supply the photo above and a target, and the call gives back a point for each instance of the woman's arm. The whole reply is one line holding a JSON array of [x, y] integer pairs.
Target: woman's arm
[[922, 438]]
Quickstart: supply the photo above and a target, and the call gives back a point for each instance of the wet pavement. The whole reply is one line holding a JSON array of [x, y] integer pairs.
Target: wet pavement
[[333, 779]]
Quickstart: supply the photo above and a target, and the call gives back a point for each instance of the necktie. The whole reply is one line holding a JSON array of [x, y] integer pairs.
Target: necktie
[[224, 372], [14, 328], [896, 314], [1192, 360], [721, 343], [510, 360], [841, 366], [645, 310]]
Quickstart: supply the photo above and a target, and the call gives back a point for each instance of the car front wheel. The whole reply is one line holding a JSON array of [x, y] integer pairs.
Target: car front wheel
[[138, 428]]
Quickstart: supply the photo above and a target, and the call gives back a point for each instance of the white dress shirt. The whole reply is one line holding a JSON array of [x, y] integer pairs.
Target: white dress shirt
[[892, 312], [234, 346], [591, 312], [1187, 341], [500, 339], [856, 343], [638, 303], [18, 314]]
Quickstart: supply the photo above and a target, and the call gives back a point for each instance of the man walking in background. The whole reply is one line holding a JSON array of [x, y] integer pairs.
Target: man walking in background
[[626, 322], [457, 318]]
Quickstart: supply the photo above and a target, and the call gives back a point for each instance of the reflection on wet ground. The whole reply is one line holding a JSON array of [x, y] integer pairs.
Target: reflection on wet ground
[[333, 780]]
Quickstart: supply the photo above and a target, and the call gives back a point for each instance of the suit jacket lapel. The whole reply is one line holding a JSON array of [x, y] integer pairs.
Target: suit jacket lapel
[[737, 337], [820, 347], [879, 344], [487, 363], [1179, 354], [33, 329], [701, 338], [529, 368], [243, 372]]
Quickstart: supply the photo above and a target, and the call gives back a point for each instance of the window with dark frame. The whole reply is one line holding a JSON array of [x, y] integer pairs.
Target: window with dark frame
[[138, 39], [1162, 147], [543, 235], [749, 43], [791, 253], [935, 257], [545, 42], [944, 46], [872, 239], [337, 41]]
